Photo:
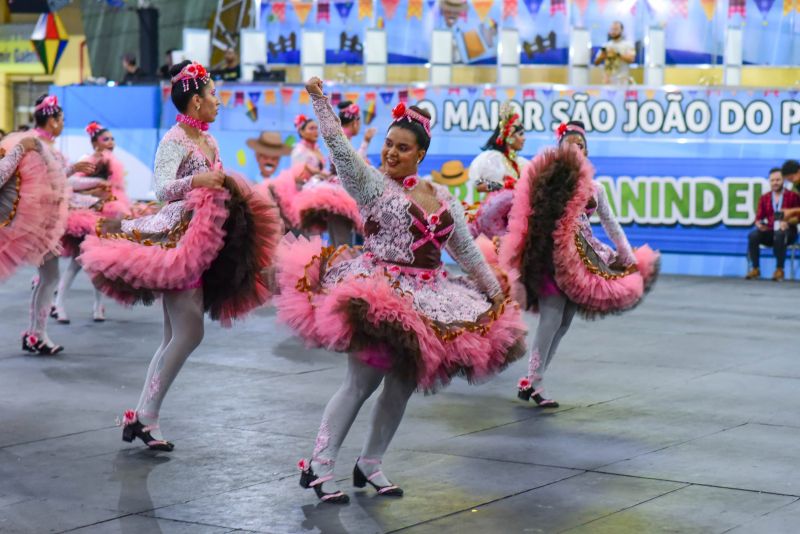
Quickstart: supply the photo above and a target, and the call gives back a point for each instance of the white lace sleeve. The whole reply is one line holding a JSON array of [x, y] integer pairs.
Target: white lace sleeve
[[9, 163], [463, 249], [613, 230], [169, 156], [362, 182]]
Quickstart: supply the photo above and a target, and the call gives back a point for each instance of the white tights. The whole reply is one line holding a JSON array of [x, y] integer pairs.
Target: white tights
[[359, 384], [555, 315], [65, 284], [42, 298], [183, 332]]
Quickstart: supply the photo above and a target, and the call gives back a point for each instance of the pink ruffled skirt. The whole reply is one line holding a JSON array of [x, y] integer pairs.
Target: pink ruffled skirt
[[420, 324]]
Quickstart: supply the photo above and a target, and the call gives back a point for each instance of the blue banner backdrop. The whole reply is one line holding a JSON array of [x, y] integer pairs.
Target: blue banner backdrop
[[684, 168]]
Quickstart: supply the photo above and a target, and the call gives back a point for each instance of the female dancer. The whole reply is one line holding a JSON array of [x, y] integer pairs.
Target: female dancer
[[556, 264], [496, 171], [103, 193], [49, 119], [204, 250], [306, 150], [393, 308]]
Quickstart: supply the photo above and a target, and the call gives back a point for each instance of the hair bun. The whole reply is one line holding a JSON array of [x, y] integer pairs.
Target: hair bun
[[579, 124], [176, 69], [344, 104], [424, 112]]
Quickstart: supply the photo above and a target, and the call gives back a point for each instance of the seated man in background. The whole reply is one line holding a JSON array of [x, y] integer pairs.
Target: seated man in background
[[773, 227], [791, 175]]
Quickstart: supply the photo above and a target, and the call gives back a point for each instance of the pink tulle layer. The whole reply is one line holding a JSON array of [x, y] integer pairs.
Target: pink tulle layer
[[283, 189], [320, 315], [491, 219], [154, 267], [41, 212], [328, 198]]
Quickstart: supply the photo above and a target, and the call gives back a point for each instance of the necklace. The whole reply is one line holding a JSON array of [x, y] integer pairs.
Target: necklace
[[191, 121], [44, 134]]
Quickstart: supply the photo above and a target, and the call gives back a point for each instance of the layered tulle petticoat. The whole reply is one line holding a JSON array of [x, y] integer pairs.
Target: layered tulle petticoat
[[318, 200], [422, 324], [491, 219], [33, 208], [217, 239], [579, 266], [283, 189]]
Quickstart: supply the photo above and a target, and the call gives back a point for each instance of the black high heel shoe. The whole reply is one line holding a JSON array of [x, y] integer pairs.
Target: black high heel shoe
[[360, 480], [526, 392], [132, 428], [33, 344], [310, 480]]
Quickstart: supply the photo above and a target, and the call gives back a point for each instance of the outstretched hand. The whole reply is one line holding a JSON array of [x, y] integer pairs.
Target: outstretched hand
[[314, 86]]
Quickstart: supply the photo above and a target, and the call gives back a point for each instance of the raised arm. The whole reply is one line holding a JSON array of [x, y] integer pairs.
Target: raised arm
[[462, 248], [9, 163], [82, 183], [613, 229], [169, 156], [362, 182]]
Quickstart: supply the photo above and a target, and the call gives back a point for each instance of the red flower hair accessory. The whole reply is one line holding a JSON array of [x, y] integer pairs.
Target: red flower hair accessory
[[191, 73], [401, 112], [562, 129], [352, 111], [300, 121], [93, 128]]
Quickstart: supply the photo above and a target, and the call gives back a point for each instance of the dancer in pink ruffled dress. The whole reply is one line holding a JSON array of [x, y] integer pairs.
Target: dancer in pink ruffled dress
[[393, 307], [496, 171], [100, 195], [44, 173], [204, 251], [554, 262]]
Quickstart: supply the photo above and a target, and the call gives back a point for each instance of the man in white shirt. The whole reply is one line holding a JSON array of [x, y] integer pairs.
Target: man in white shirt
[[616, 55]]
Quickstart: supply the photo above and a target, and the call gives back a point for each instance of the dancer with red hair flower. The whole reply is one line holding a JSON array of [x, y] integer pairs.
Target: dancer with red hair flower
[[203, 251], [496, 171], [100, 195], [393, 307], [554, 262]]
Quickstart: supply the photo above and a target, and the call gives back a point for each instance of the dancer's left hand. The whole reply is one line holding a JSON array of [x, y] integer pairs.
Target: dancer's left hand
[[314, 86], [86, 167]]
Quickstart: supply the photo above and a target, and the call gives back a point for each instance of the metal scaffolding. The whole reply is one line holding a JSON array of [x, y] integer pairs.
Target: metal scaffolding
[[230, 18]]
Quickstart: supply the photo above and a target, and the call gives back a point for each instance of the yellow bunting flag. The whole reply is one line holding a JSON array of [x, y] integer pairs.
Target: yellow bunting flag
[[303, 97], [650, 94], [593, 92], [365, 9], [269, 96], [414, 9], [482, 7], [709, 6], [302, 8], [225, 97], [511, 93]]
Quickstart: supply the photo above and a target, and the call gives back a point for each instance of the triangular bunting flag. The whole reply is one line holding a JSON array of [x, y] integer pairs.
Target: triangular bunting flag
[[534, 6], [631, 94], [787, 6], [303, 97], [490, 92], [419, 94], [414, 9], [302, 8], [336, 98], [764, 6], [269, 96], [482, 8], [649, 94], [254, 96], [454, 91], [389, 8], [370, 96], [581, 5], [166, 90], [472, 91], [737, 7], [510, 94], [709, 7], [558, 6], [402, 95], [602, 5], [510, 9], [323, 11], [387, 97], [529, 94], [343, 8], [352, 97], [286, 95], [279, 10], [364, 9], [238, 98], [225, 97]]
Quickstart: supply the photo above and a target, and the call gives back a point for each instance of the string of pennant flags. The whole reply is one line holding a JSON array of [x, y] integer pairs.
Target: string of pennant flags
[[371, 98], [366, 9]]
